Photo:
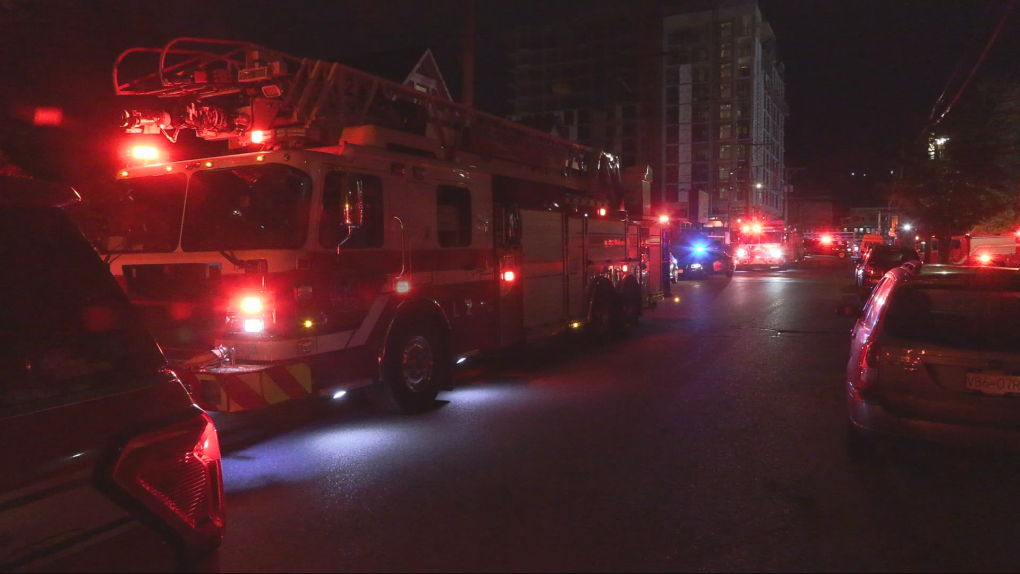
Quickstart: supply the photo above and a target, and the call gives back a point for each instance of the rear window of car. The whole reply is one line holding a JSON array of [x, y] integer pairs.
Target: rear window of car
[[67, 333], [891, 257], [961, 317]]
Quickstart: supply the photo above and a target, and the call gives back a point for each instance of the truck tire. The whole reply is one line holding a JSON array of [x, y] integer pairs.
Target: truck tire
[[415, 367], [626, 310], [600, 323]]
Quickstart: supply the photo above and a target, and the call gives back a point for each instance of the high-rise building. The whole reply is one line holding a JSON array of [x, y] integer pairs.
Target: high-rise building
[[717, 110]]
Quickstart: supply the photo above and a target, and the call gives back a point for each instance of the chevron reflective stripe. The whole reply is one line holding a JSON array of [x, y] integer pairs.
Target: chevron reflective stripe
[[361, 335], [231, 390]]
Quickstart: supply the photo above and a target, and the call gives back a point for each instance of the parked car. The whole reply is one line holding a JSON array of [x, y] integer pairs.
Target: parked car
[[108, 465], [877, 262], [936, 355], [698, 256]]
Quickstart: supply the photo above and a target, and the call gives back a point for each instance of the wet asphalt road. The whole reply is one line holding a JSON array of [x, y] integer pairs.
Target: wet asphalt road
[[711, 440]]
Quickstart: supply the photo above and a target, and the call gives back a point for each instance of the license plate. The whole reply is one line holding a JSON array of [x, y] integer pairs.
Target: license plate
[[993, 384]]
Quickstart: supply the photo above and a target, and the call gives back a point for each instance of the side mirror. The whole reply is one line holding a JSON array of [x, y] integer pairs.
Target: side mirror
[[353, 203], [848, 311]]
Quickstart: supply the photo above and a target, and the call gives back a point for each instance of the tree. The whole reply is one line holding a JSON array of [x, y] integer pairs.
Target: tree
[[970, 182]]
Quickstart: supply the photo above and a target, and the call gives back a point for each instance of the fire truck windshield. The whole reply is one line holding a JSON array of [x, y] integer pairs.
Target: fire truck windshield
[[763, 237], [263, 206], [140, 215]]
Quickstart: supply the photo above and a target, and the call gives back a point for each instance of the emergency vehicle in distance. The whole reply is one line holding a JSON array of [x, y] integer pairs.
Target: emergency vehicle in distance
[[363, 234], [762, 245], [999, 249]]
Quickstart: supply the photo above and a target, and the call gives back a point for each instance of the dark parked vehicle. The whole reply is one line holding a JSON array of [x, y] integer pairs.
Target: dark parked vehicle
[[936, 355], [877, 262], [699, 256], [108, 465]]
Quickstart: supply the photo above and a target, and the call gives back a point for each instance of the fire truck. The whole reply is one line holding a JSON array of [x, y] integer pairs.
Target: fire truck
[[762, 245], [358, 233], [1000, 249]]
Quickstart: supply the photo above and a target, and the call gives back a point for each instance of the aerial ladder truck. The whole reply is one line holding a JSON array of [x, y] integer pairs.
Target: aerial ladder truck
[[357, 232]]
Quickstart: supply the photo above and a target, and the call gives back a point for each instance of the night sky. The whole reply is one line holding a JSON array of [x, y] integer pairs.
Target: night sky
[[862, 75]]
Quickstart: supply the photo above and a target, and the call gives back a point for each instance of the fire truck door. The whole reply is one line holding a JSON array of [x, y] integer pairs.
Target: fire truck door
[[542, 270], [575, 266], [507, 240]]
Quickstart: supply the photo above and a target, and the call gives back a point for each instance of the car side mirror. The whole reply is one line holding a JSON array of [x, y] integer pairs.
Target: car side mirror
[[848, 311]]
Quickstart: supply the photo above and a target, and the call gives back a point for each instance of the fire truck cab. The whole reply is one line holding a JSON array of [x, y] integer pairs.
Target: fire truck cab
[[762, 245]]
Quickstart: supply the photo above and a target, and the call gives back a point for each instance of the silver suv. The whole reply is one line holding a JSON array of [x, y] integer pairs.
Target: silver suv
[[936, 355]]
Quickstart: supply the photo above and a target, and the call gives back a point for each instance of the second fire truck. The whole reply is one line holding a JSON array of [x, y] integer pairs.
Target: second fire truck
[[362, 234], [763, 245]]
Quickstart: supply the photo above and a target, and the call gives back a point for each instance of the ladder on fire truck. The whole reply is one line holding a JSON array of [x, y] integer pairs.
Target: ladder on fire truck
[[263, 99]]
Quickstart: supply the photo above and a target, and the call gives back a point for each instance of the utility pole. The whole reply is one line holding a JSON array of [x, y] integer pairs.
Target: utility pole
[[468, 77]]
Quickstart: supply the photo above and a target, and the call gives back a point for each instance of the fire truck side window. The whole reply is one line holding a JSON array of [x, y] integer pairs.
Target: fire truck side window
[[453, 214], [332, 230]]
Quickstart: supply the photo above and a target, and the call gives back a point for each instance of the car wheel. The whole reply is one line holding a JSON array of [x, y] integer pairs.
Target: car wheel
[[416, 365], [729, 271], [859, 447]]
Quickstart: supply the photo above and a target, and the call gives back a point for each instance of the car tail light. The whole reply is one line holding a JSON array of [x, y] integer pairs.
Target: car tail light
[[867, 380], [176, 473]]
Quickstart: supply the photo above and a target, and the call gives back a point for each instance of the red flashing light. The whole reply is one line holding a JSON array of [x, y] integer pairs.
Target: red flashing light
[[509, 276], [602, 212], [625, 268], [403, 286], [251, 305], [145, 153], [746, 229], [826, 239], [756, 228], [48, 117], [985, 258], [663, 219], [258, 136]]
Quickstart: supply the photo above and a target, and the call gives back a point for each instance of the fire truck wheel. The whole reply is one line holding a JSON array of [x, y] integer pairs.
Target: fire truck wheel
[[600, 325], [416, 361], [626, 310]]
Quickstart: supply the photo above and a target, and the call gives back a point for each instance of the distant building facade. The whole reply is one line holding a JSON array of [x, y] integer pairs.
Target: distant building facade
[[871, 220], [716, 115], [811, 214]]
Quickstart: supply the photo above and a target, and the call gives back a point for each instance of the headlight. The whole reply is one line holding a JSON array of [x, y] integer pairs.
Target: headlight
[[776, 253], [695, 265], [742, 253]]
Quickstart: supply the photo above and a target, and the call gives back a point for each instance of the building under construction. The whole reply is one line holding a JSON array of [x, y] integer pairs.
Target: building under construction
[[693, 88]]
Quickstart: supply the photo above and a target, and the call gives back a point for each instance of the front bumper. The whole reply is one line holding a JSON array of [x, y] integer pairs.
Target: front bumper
[[873, 419]]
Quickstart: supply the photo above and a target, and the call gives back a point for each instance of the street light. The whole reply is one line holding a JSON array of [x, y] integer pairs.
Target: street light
[[907, 227]]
